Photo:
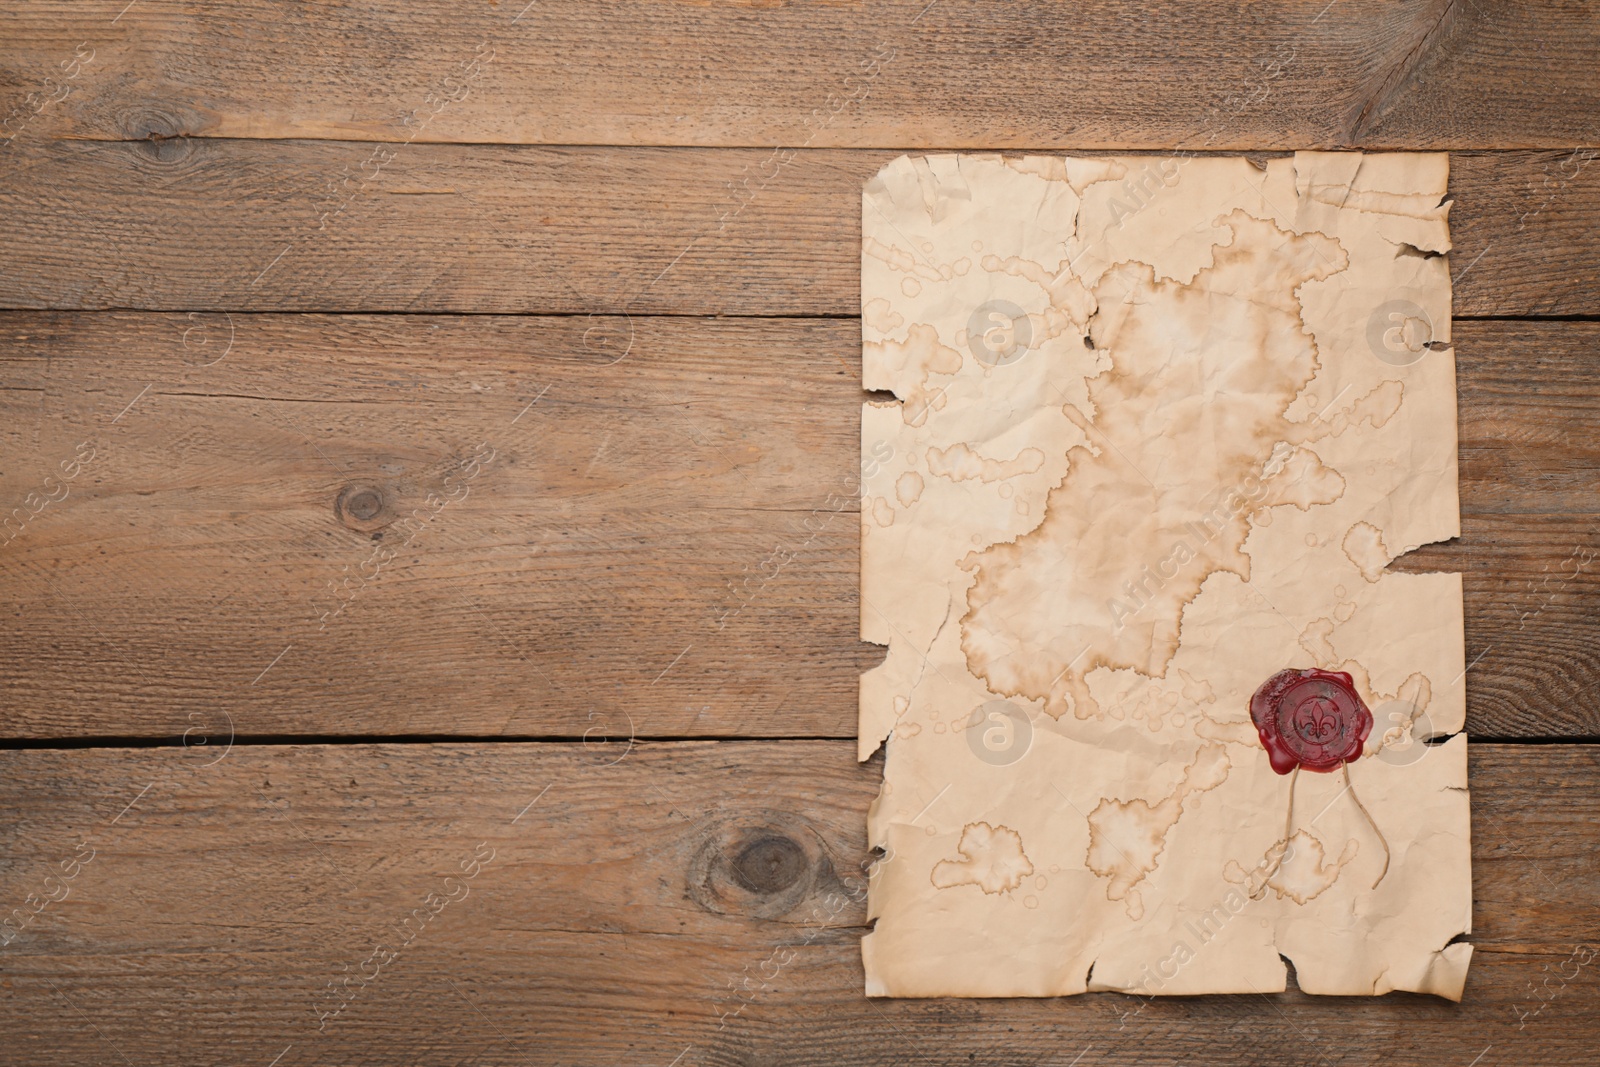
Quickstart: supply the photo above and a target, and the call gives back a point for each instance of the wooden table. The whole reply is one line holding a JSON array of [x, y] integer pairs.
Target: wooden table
[[404, 405]]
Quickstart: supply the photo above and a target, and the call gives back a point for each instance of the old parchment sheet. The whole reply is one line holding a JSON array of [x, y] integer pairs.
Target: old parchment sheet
[[1157, 427]]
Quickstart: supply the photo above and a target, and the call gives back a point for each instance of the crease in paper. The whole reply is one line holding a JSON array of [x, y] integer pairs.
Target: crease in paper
[[1159, 428]]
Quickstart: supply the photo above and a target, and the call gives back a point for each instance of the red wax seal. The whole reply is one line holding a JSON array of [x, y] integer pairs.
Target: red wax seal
[[1312, 719]]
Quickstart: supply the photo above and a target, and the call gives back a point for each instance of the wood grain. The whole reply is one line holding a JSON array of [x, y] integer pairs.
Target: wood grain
[[913, 73], [619, 564], [604, 566], [636, 909], [519, 482], [1521, 550], [194, 224]]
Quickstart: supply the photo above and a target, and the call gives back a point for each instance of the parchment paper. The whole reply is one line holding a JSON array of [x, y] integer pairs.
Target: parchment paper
[[1157, 427]]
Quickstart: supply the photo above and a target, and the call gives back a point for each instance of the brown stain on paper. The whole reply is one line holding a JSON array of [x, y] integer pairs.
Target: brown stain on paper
[[1127, 837], [923, 355], [1194, 368], [991, 859]]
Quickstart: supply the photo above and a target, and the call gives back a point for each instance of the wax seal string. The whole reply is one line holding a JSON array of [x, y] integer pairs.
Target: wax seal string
[[1384, 841], [1288, 824], [1313, 719]]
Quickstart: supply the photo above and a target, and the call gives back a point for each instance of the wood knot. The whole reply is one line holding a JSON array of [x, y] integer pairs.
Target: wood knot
[[162, 133], [165, 150], [770, 864], [155, 123], [363, 507], [764, 865]]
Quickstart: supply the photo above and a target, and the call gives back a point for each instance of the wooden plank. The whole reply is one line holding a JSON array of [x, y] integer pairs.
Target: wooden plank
[[594, 563], [1526, 215], [945, 73], [1528, 556], [694, 901], [194, 224], [665, 544]]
